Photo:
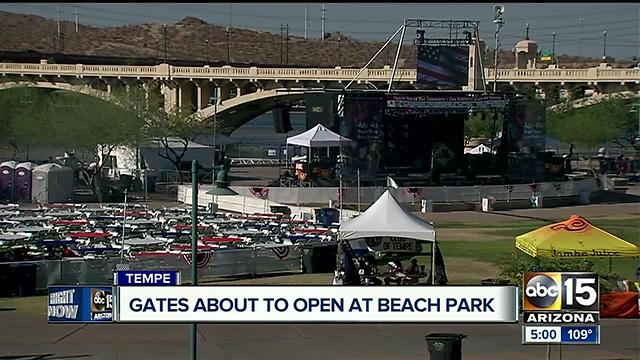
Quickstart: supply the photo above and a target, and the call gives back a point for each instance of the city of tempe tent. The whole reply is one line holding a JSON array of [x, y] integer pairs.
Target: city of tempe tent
[[318, 136], [387, 227], [575, 237]]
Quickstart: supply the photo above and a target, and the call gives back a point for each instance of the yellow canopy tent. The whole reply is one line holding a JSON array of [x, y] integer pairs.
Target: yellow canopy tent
[[573, 238]]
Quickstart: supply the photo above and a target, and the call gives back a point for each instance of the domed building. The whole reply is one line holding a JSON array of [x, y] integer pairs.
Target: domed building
[[526, 52]]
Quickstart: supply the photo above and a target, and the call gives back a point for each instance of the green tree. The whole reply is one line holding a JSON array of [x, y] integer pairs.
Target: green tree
[[89, 127], [478, 126], [93, 128], [609, 120], [174, 129], [19, 117]]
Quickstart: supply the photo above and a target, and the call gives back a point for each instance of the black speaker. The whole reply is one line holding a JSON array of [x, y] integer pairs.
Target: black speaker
[[322, 109], [218, 157], [281, 119]]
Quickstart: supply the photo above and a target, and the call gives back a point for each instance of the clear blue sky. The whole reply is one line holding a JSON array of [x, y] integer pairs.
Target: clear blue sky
[[380, 20]]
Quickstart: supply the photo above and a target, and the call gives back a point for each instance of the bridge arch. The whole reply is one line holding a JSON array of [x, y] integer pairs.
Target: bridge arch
[[235, 112], [81, 89]]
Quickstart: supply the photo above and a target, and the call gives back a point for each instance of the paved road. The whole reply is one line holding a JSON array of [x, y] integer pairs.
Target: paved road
[[29, 337]]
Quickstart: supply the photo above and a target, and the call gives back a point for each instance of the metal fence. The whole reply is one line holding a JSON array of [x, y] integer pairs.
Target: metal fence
[[237, 262]]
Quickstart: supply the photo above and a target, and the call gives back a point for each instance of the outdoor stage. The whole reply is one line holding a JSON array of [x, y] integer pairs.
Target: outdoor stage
[[417, 137]]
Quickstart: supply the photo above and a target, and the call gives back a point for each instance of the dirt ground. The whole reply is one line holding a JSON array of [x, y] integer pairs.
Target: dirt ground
[[560, 213]]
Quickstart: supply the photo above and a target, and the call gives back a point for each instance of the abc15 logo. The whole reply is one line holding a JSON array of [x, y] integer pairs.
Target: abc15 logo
[[544, 291], [101, 300]]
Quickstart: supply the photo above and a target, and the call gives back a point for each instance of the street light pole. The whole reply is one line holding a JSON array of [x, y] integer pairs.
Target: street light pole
[[553, 48], [124, 221], [215, 125], [206, 46], [604, 46], [194, 248], [228, 36], [581, 20], [499, 10]]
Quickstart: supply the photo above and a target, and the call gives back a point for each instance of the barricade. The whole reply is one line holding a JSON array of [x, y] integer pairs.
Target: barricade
[[221, 263]]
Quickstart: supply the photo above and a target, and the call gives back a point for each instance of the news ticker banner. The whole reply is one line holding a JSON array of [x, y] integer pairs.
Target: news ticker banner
[[570, 301], [317, 304], [80, 304]]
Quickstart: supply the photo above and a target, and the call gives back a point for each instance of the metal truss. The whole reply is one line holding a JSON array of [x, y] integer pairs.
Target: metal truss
[[443, 24]]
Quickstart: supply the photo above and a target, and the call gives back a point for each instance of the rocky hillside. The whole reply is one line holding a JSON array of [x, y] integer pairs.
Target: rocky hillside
[[186, 41]]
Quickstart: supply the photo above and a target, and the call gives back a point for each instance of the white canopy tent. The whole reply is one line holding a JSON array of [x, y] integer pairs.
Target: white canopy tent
[[387, 219], [318, 136], [480, 149]]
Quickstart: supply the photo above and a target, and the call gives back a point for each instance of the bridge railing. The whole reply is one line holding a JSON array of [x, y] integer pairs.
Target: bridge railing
[[309, 74], [571, 75]]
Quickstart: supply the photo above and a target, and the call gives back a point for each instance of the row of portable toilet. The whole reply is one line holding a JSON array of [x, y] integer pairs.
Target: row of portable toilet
[[25, 182]]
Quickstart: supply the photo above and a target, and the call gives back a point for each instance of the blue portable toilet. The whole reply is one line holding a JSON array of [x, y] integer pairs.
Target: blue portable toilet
[[7, 179], [22, 188]]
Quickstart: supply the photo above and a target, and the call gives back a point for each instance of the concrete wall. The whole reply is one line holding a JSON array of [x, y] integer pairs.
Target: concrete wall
[[246, 204], [445, 198], [444, 194]]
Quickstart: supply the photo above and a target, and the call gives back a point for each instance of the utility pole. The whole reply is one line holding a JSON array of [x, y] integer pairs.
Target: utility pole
[[339, 52], [206, 49], [58, 19], [324, 10], [281, 42], [604, 46], [287, 45], [164, 34], [228, 36], [76, 6], [306, 21]]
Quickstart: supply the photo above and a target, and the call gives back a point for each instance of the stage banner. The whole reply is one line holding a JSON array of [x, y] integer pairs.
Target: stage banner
[[445, 66], [527, 126], [534, 125], [364, 125]]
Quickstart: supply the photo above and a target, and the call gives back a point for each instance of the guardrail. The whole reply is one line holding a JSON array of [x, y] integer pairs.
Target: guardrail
[[255, 162]]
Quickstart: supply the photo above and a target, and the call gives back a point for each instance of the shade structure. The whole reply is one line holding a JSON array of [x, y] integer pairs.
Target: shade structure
[[318, 136], [386, 219], [388, 228], [221, 191], [480, 149], [574, 238]]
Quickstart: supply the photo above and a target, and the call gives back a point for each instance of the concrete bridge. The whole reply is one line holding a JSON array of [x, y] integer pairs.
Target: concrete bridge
[[244, 93]]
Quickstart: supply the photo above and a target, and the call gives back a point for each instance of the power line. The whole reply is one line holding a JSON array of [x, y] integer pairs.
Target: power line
[[338, 20], [600, 24]]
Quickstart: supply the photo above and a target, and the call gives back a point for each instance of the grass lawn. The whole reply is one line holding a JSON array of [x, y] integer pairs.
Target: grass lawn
[[492, 242], [29, 304], [471, 253]]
